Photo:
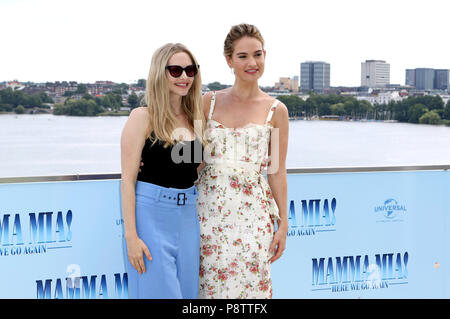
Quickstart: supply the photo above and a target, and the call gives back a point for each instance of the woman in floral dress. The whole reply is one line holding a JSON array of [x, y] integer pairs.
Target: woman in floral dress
[[237, 207]]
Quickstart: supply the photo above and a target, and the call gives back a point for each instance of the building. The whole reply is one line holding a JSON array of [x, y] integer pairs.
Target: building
[[375, 73], [15, 85], [287, 84], [428, 79], [381, 97], [314, 76], [410, 77], [424, 79], [442, 79]]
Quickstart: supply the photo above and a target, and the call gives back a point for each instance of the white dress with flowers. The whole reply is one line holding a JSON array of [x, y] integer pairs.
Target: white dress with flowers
[[236, 211]]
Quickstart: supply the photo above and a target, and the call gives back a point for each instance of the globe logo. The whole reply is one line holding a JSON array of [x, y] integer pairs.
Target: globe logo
[[390, 209], [390, 205]]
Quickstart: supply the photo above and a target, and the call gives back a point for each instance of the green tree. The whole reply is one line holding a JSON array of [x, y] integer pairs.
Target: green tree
[[216, 86], [431, 117], [366, 108], [45, 98], [415, 112], [82, 107], [400, 111], [121, 88], [141, 100], [390, 109], [431, 102], [81, 88], [133, 100], [436, 103], [32, 101], [446, 113], [112, 101], [19, 109], [310, 106], [293, 103], [76, 107], [141, 83], [60, 109], [87, 96], [337, 109], [6, 107], [93, 108], [349, 108], [19, 99], [6, 96], [323, 108]]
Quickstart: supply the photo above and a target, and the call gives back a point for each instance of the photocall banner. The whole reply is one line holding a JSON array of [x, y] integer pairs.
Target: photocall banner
[[366, 235], [351, 235], [61, 240]]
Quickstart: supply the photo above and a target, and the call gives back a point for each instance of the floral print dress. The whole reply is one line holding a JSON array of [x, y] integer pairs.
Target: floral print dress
[[236, 211]]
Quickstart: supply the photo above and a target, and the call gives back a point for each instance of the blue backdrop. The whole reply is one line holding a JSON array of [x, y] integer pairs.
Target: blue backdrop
[[351, 235]]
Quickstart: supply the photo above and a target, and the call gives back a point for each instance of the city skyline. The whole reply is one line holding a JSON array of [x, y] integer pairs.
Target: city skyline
[[49, 41], [439, 81]]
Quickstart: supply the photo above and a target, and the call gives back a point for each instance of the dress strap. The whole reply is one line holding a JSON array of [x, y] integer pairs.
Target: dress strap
[[211, 108], [272, 109]]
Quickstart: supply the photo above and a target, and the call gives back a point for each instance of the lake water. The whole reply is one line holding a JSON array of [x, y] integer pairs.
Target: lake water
[[38, 145]]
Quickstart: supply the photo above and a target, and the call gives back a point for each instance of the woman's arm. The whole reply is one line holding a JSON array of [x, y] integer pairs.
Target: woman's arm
[[206, 107], [132, 142], [200, 167], [277, 175], [207, 104]]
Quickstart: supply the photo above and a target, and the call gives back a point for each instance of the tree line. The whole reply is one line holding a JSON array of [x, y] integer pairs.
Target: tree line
[[89, 105], [414, 109], [92, 106], [18, 101]]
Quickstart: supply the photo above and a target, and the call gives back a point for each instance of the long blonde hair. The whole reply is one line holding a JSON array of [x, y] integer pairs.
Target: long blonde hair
[[162, 117]]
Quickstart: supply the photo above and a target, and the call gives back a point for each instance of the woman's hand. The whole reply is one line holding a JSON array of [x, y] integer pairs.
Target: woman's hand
[[279, 242], [135, 248], [265, 163]]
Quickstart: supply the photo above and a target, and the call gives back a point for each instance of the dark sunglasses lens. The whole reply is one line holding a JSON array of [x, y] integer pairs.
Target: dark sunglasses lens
[[175, 71], [191, 70]]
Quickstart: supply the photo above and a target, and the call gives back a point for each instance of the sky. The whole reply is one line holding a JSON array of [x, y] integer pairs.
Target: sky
[[99, 40]]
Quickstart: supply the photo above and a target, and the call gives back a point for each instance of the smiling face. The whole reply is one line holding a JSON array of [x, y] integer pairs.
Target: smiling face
[[247, 59], [180, 85]]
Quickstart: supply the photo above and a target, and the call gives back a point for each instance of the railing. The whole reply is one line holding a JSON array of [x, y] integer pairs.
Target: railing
[[107, 176]]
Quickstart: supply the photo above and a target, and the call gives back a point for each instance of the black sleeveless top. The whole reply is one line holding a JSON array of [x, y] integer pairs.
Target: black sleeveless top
[[174, 166]]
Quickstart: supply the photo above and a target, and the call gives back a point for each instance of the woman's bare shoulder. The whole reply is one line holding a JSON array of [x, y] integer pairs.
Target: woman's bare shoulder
[[210, 94], [224, 91], [139, 111], [140, 114], [281, 114], [139, 120]]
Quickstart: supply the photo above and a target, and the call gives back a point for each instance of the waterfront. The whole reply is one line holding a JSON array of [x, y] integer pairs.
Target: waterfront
[[38, 145]]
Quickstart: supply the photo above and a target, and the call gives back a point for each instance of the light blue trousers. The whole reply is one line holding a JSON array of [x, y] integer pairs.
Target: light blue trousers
[[167, 222]]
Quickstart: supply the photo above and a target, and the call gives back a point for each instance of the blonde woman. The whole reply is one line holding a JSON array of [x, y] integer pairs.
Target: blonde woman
[[158, 203], [237, 207]]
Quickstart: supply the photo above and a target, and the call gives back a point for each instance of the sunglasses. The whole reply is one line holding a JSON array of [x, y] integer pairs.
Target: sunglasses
[[176, 70]]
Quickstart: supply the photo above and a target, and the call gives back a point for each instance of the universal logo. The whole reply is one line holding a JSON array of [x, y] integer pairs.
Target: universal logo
[[313, 216], [390, 211]]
